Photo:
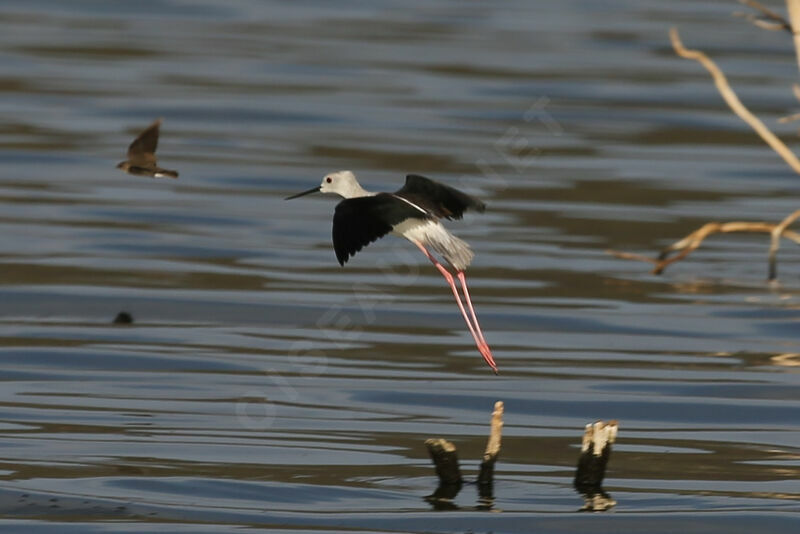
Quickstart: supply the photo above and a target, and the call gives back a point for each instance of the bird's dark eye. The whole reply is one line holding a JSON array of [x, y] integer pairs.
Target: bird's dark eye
[[329, 180]]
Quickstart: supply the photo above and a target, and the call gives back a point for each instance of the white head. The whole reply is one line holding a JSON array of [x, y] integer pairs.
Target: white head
[[343, 183]]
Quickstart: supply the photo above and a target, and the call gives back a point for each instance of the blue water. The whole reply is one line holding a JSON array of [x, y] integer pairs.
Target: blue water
[[262, 386]]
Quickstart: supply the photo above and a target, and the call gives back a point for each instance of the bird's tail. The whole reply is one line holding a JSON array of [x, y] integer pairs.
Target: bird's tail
[[454, 250]]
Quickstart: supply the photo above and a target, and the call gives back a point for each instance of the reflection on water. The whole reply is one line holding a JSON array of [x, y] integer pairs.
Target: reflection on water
[[260, 384]]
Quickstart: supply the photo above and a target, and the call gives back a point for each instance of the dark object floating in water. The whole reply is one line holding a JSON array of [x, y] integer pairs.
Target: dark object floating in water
[[595, 453], [123, 317], [414, 212], [142, 155], [445, 459]]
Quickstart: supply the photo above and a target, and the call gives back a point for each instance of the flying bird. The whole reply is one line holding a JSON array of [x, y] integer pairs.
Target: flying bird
[[142, 155], [414, 211]]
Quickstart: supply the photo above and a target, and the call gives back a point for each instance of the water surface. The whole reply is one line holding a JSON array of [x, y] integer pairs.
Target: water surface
[[263, 386]]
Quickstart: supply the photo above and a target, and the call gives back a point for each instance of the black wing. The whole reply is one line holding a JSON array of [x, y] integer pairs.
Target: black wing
[[358, 222], [142, 151], [441, 200]]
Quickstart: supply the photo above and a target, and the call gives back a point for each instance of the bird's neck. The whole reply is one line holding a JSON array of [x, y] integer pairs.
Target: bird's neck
[[355, 190]]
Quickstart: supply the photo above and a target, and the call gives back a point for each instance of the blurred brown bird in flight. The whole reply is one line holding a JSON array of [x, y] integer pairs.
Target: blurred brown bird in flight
[[142, 155]]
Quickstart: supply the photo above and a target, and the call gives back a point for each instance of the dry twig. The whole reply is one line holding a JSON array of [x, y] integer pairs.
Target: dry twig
[[776, 234], [793, 116], [733, 101], [769, 20], [794, 22], [688, 244], [691, 242]]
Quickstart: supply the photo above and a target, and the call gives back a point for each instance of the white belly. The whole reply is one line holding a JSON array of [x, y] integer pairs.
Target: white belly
[[434, 236]]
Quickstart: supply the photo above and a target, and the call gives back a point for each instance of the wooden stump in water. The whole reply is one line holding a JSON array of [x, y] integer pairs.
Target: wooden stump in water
[[486, 475], [445, 459], [592, 463], [595, 453], [444, 456]]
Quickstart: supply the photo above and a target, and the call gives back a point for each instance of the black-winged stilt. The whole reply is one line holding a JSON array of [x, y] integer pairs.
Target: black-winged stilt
[[412, 212], [142, 155]]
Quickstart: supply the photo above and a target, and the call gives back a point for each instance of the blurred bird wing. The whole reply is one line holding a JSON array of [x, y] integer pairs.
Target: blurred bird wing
[[442, 200], [142, 151]]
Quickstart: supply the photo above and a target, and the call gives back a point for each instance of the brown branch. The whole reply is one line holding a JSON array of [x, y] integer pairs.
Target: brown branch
[[691, 242], [794, 18], [769, 19], [775, 237], [789, 118], [733, 101], [631, 256], [794, 116]]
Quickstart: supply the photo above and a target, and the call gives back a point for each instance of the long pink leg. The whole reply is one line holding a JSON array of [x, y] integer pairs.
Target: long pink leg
[[463, 280], [485, 350], [479, 342]]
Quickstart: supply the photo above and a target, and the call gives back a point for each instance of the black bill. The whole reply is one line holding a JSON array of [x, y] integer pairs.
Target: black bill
[[314, 190]]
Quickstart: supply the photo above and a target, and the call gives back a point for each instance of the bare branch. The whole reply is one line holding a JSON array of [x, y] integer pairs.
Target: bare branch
[[733, 101], [789, 118], [795, 116], [631, 256], [691, 242], [775, 235], [794, 17], [769, 20]]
